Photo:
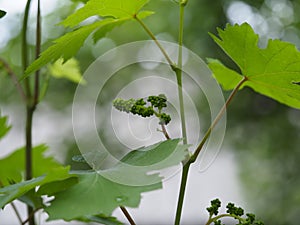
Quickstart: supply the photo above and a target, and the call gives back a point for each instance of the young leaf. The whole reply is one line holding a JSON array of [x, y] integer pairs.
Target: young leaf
[[273, 71], [114, 8], [69, 70], [2, 13], [31, 199], [12, 192], [56, 186], [12, 167], [65, 47], [97, 194], [116, 11], [4, 128]]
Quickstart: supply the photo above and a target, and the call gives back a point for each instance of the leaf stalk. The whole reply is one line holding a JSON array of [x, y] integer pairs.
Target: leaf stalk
[[193, 158], [127, 215], [216, 120], [161, 48]]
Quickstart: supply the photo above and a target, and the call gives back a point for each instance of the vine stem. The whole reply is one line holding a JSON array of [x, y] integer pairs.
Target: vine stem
[[165, 132], [30, 216], [222, 216], [193, 158], [185, 169], [127, 215], [31, 101], [29, 110], [16, 212], [25, 48], [179, 73], [37, 53], [28, 154]]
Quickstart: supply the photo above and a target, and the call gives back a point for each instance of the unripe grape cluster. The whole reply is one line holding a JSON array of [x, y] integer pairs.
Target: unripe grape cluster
[[159, 101], [153, 106], [234, 212], [214, 208], [123, 105]]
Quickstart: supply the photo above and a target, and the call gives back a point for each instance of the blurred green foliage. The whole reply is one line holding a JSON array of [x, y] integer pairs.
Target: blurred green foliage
[[264, 134]]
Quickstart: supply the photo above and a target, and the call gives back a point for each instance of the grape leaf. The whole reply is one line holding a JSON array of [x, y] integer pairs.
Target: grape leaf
[[113, 8], [95, 194], [31, 199], [106, 220], [69, 70], [4, 128], [98, 194], [116, 11], [12, 166], [14, 191], [273, 71], [100, 33], [65, 46], [56, 186], [2, 13]]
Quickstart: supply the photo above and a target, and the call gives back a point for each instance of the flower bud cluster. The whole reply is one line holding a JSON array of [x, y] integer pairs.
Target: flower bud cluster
[[123, 105], [233, 211], [140, 107]]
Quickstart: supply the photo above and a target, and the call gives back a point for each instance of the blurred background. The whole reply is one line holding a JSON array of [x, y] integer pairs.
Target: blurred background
[[258, 166]]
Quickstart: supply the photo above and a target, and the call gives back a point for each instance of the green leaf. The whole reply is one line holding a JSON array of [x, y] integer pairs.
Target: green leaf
[[99, 195], [114, 8], [4, 128], [106, 220], [69, 70], [12, 192], [2, 13], [273, 71], [225, 76], [96, 194], [116, 11], [12, 167], [84, 1], [64, 47], [31, 199], [57, 186], [100, 33]]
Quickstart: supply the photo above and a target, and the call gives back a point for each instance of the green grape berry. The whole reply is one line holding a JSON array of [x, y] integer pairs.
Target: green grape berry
[[250, 217], [164, 119], [140, 107], [140, 102], [158, 101], [142, 110], [233, 212], [218, 222], [232, 209], [214, 208]]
